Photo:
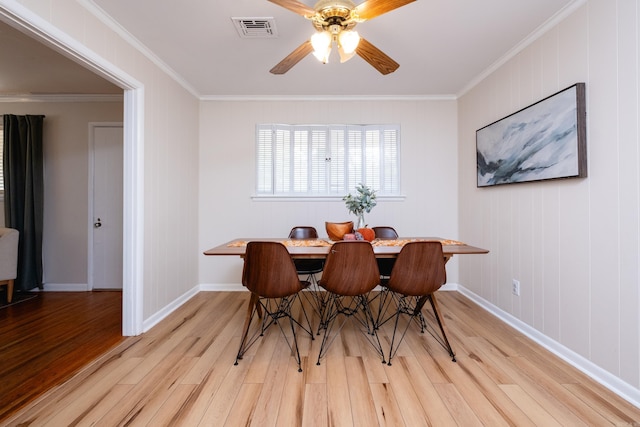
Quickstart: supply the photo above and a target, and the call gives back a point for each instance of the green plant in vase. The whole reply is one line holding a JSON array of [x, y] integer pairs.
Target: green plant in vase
[[363, 201]]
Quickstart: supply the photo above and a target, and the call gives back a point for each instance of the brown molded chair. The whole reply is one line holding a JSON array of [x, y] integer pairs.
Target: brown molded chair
[[270, 275], [385, 232], [418, 273], [385, 265], [350, 273], [306, 267], [309, 267]]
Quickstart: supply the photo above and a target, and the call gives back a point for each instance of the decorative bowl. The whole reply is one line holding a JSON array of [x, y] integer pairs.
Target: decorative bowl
[[337, 230]]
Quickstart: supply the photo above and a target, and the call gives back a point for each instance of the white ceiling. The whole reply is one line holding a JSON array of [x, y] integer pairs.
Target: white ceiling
[[442, 46]]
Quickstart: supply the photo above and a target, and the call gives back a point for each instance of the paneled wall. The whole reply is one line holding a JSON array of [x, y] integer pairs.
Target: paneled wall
[[573, 244], [227, 174], [168, 145]]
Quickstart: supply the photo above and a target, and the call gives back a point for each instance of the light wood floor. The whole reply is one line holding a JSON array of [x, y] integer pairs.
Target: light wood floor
[[182, 373]]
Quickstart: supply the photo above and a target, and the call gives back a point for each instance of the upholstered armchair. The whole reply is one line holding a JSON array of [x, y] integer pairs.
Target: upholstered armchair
[[8, 259]]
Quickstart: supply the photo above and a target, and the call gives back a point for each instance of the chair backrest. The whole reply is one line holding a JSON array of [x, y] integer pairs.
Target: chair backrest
[[385, 232], [350, 269], [9, 239], [303, 232], [419, 269], [269, 270]]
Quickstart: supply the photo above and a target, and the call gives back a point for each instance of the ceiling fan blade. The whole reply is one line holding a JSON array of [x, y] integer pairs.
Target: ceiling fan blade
[[293, 58], [377, 58], [372, 8], [296, 7]]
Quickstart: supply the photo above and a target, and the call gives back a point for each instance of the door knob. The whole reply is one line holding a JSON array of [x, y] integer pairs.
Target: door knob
[[98, 223]]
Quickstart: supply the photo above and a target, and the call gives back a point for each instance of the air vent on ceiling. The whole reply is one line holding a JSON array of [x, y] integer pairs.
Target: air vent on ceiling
[[256, 28]]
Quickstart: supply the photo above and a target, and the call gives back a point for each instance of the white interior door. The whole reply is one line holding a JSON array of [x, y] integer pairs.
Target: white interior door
[[106, 190]]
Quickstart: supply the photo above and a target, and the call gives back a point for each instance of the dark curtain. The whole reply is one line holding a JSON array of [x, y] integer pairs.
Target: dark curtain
[[24, 193]]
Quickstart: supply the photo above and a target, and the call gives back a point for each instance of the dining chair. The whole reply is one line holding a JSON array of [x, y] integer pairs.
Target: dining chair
[[306, 267], [309, 267], [385, 265], [418, 273], [270, 274], [385, 232], [350, 273]]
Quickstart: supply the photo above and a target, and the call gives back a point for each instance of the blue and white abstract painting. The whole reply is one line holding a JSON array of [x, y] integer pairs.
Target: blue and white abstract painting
[[537, 143]]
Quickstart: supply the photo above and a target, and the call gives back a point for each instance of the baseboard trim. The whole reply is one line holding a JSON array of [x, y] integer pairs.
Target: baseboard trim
[[168, 309], [607, 379], [64, 287]]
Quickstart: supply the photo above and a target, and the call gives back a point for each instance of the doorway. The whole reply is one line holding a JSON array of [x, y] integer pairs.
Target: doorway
[[133, 220]]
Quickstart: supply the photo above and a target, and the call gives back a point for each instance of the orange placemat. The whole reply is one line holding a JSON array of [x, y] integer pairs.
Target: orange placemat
[[298, 243], [402, 242]]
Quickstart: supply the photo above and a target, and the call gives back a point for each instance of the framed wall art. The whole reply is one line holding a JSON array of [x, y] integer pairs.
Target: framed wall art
[[546, 140]]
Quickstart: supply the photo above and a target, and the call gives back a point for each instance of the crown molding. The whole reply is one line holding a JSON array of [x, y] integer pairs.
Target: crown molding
[[61, 98], [560, 16], [112, 24], [328, 98]]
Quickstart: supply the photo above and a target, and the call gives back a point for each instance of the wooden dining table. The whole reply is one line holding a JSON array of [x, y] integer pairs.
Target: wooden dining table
[[319, 248]]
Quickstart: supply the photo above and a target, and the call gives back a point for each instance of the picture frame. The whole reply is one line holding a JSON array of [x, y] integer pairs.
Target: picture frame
[[544, 141]]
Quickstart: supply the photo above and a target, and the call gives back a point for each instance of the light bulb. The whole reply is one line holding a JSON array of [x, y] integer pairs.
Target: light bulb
[[321, 42], [349, 41]]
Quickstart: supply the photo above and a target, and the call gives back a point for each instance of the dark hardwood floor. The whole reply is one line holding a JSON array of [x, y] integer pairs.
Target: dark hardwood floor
[[45, 340]]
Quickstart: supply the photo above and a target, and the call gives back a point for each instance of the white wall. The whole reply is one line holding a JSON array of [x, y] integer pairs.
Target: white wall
[[66, 179], [574, 244], [170, 148], [227, 174]]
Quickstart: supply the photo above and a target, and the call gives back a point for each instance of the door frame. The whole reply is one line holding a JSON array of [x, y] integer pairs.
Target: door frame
[[25, 20], [90, 227]]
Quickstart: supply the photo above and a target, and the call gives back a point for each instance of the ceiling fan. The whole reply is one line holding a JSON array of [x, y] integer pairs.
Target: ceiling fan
[[334, 21]]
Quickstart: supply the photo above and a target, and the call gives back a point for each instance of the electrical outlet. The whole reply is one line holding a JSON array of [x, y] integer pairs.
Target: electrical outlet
[[515, 287]]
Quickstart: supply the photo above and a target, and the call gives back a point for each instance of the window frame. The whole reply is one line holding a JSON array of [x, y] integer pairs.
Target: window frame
[[326, 175]]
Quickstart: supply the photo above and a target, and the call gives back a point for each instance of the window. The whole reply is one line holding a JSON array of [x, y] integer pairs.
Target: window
[[327, 160]]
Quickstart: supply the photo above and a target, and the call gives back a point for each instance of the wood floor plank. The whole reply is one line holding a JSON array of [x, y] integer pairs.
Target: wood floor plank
[[362, 405], [221, 373], [457, 405], [387, 410], [618, 415], [181, 373], [266, 412], [338, 396], [586, 413], [165, 414], [407, 400], [222, 402], [108, 401], [218, 344], [291, 405], [536, 413], [315, 405], [473, 393], [46, 340], [417, 397], [91, 392], [243, 408], [537, 390]]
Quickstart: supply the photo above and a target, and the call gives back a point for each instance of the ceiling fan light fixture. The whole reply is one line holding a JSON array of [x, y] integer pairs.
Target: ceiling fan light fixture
[[321, 42], [349, 40]]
